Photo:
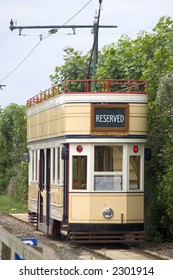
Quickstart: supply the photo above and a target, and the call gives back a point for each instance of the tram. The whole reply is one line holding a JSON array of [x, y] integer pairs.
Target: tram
[[86, 142]]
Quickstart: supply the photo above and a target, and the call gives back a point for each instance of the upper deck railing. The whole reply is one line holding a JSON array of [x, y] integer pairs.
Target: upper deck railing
[[91, 86]]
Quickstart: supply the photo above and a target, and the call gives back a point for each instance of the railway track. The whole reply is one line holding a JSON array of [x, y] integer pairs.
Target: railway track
[[61, 249], [123, 252]]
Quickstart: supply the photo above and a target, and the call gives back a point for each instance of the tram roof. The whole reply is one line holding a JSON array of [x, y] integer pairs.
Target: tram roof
[[105, 86]]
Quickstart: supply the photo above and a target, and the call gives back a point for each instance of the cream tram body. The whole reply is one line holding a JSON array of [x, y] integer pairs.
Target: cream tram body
[[86, 150]]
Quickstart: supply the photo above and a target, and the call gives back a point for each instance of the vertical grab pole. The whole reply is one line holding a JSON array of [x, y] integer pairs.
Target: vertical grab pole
[[65, 157]]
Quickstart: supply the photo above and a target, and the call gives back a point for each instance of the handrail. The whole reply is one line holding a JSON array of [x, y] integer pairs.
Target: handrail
[[24, 251], [91, 86]]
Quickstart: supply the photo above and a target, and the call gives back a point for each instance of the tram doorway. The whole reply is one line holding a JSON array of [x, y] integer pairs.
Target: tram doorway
[[41, 185]]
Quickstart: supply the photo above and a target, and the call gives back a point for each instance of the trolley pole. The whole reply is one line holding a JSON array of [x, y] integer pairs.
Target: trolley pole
[[95, 51]]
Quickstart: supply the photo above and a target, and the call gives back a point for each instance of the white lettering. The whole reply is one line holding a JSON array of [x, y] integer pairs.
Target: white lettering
[[119, 118], [97, 118], [109, 118]]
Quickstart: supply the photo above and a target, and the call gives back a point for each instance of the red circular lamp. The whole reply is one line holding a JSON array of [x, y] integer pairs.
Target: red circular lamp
[[79, 148], [135, 149]]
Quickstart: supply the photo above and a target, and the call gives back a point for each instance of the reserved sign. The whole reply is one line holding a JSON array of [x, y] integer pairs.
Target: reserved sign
[[109, 117]]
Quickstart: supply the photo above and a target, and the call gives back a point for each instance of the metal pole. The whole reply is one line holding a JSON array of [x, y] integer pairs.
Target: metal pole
[[54, 28], [95, 50]]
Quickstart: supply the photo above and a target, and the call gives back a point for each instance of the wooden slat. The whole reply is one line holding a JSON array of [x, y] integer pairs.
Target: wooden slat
[[107, 237], [106, 232], [26, 252]]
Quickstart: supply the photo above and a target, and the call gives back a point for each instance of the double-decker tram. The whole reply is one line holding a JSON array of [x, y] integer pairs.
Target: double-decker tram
[[86, 160]]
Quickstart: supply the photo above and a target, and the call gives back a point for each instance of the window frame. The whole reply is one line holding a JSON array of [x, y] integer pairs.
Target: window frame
[[55, 165], [139, 182], [34, 165], [118, 174], [81, 183]]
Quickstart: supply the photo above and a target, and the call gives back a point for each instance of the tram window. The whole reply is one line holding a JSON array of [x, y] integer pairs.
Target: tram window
[[79, 172], [134, 172], [34, 163], [53, 165], [108, 158], [108, 168], [108, 182], [103, 158]]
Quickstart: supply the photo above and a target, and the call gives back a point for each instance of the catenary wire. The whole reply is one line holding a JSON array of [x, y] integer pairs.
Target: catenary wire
[[5, 38], [20, 63], [41, 39]]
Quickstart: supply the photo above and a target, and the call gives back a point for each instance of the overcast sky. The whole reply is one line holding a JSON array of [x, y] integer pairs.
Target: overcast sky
[[26, 62]]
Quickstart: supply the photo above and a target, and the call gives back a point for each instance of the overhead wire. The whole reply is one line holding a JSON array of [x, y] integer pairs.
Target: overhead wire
[[5, 38], [20, 63], [78, 12], [41, 39]]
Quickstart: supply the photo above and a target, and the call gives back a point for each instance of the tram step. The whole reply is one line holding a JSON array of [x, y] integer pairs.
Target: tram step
[[64, 228], [107, 237], [32, 217]]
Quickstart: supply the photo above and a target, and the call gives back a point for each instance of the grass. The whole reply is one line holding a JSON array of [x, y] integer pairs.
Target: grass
[[11, 206]]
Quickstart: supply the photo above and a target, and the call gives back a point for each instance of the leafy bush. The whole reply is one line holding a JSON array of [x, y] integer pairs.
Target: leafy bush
[[21, 182]]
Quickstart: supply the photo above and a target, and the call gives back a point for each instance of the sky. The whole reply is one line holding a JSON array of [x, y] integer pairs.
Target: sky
[[27, 62]]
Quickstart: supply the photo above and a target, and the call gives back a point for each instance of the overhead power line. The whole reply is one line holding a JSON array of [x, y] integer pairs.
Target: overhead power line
[[78, 12], [54, 28], [5, 38], [41, 38], [20, 63]]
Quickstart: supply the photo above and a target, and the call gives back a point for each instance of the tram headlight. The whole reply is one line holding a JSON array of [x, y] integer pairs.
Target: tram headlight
[[108, 213]]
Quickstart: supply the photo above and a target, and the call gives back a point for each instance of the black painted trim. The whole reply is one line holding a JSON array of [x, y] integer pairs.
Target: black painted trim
[[106, 227]]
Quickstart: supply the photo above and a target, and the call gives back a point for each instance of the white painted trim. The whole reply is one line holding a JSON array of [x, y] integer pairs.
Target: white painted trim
[[81, 98]]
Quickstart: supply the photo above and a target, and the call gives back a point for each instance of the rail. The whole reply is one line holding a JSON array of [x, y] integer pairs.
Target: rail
[[14, 245], [91, 86]]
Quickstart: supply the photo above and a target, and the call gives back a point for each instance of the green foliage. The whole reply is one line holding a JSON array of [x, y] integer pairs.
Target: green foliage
[[9, 205], [21, 182], [75, 67], [149, 56], [13, 142], [165, 185]]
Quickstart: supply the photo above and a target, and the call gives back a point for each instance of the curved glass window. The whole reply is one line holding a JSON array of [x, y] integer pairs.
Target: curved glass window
[[134, 172]]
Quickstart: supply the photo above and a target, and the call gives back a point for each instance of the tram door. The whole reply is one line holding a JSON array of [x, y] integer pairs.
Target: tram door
[[41, 185], [44, 185]]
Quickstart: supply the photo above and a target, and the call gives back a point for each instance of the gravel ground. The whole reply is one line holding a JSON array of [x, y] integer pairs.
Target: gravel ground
[[164, 250], [52, 249], [60, 249]]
